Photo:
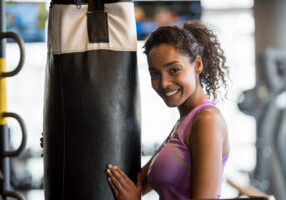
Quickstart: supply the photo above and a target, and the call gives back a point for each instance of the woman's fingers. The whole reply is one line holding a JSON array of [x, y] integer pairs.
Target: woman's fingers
[[122, 174], [116, 181], [139, 180], [122, 185], [114, 188], [121, 179]]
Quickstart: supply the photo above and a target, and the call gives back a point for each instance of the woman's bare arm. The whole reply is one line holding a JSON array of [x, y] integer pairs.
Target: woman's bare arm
[[145, 186]]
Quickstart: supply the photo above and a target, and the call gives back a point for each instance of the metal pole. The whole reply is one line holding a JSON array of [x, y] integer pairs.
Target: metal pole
[[4, 161], [2, 28]]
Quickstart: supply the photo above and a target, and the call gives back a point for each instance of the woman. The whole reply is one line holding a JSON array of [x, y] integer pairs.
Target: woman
[[187, 67]]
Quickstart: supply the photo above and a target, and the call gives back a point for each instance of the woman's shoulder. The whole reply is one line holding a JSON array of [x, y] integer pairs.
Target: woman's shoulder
[[208, 126], [209, 115]]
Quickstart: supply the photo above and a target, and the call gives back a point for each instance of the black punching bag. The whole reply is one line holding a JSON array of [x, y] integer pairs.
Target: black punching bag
[[91, 103]]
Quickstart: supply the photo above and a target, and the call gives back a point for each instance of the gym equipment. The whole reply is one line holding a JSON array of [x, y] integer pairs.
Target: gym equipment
[[5, 155], [266, 102], [91, 103]]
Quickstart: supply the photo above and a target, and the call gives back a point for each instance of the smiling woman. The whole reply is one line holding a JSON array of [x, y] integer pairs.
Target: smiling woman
[[187, 68]]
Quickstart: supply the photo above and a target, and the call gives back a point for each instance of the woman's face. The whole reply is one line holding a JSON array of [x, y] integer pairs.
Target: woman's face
[[173, 75]]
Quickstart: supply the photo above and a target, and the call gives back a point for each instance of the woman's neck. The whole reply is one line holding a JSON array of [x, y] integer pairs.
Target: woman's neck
[[194, 100]]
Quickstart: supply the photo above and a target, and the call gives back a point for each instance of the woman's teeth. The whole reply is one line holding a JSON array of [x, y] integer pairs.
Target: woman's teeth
[[171, 93]]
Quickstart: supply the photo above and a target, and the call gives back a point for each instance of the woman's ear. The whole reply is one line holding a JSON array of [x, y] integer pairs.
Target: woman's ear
[[198, 65]]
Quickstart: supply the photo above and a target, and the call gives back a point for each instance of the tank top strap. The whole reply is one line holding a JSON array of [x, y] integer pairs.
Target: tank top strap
[[182, 129]]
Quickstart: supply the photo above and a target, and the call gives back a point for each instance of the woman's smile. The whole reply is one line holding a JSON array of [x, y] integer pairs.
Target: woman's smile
[[171, 97], [171, 93]]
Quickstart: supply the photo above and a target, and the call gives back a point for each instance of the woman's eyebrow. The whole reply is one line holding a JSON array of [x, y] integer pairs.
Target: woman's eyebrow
[[165, 65], [170, 63]]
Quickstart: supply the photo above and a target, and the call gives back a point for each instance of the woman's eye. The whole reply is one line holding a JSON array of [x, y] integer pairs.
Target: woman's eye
[[153, 73], [174, 70]]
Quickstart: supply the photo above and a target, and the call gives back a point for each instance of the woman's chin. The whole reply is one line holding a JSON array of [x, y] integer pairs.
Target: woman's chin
[[171, 104]]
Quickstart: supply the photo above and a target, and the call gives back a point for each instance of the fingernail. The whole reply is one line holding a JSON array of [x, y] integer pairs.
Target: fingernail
[[109, 179], [109, 165], [114, 166], [108, 171]]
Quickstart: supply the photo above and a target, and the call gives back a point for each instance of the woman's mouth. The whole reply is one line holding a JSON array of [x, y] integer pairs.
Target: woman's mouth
[[171, 93]]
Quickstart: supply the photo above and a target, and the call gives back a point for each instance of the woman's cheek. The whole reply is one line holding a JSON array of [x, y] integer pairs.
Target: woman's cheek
[[154, 84]]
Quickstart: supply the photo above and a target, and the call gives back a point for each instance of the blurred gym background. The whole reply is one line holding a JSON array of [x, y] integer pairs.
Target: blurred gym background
[[252, 33]]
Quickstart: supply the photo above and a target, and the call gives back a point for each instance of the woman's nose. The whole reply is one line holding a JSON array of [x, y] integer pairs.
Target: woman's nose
[[165, 82]]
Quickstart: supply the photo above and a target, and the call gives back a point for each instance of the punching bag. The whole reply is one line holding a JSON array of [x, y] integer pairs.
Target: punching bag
[[91, 103]]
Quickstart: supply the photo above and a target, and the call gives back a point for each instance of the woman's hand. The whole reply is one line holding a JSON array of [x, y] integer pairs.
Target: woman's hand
[[122, 186]]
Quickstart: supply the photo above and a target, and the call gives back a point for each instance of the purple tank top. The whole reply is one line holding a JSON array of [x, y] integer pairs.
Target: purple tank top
[[169, 173]]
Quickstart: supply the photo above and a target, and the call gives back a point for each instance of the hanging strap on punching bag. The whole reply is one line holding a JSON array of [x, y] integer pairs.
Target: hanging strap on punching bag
[[97, 24]]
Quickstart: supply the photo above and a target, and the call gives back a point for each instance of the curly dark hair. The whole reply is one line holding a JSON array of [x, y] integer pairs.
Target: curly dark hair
[[195, 39]]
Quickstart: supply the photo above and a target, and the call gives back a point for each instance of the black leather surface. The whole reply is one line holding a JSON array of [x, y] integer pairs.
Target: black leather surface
[[91, 118]]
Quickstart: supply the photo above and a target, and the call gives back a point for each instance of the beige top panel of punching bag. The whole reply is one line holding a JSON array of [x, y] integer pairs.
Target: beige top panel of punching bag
[[68, 28]]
